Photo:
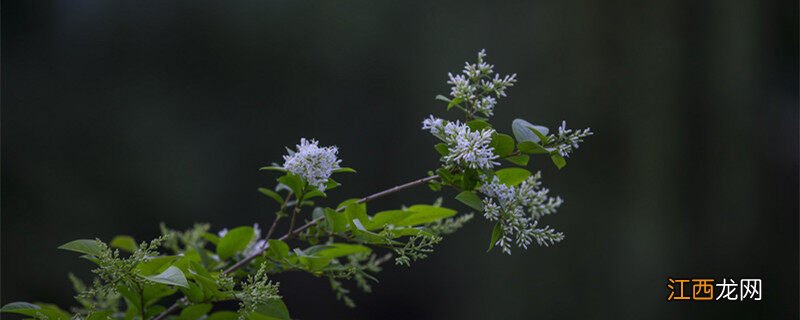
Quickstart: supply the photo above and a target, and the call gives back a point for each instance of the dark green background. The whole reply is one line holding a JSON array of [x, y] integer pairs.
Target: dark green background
[[119, 115]]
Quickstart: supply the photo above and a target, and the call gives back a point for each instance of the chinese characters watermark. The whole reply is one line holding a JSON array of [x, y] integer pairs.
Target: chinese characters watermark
[[703, 289]]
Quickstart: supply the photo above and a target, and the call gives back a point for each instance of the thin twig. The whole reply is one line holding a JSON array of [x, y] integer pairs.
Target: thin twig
[[309, 224]]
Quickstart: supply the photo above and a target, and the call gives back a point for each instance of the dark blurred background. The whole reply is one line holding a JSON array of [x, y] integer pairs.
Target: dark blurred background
[[119, 115]]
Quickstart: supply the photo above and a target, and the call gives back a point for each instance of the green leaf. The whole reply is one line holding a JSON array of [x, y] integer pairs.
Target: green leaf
[[100, 315], [123, 242], [273, 168], [496, 233], [381, 219], [421, 214], [344, 169], [512, 176], [195, 312], [558, 160], [477, 125], [522, 131], [272, 194], [277, 249], [337, 221], [223, 315], [213, 238], [442, 149], [172, 276], [234, 241], [32, 310], [294, 182], [331, 184], [356, 211], [155, 265], [85, 246], [531, 147], [14, 306], [336, 250], [314, 193], [520, 160], [274, 309], [442, 98], [503, 144], [470, 199]]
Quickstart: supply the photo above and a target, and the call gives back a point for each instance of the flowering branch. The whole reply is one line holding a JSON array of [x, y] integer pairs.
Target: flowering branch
[[343, 242]]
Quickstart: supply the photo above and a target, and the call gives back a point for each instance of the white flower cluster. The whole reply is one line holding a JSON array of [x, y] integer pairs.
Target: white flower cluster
[[475, 86], [467, 148], [312, 163], [567, 140], [255, 245], [519, 208]]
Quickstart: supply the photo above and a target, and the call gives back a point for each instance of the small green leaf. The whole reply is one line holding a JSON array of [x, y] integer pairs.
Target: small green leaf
[[442, 149], [213, 238], [272, 194], [195, 312], [537, 130], [442, 98], [344, 169], [477, 125], [496, 233], [522, 131], [531, 147], [381, 219], [512, 176], [277, 249], [520, 160], [123, 242], [422, 214], [274, 309], [294, 182], [85, 246], [337, 221], [558, 160], [503, 144], [336, 250], [313, 194], [356, 211], [234, 241], [155, 265], [14, 306], [331, 184], [223, 315], [100, 315], [273, 168], [470, 199], [172, 276], [51, 312]]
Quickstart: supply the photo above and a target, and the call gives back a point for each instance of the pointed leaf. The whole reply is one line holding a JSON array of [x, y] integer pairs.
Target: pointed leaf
[[520, 160], [512, 176], [234, 242], [172, 276], [503, 144], [558, 160], [496, 233], [123, 242], [272, 194], [470, 199], [85, 246]]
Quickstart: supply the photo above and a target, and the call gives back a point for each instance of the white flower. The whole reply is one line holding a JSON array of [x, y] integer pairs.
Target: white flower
[[466, 147], [312, 163], [518, 209], [474, 87], [567, 140], [434, 125]]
